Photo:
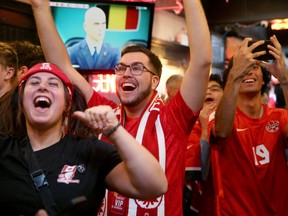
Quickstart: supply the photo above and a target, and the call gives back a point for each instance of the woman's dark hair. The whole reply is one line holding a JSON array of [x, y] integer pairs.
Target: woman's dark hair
[[8, 112], [266, 76], [71, 125], [76, 126], [154, 60]]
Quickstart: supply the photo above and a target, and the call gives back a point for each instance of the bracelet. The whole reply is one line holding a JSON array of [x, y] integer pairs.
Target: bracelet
[[112, 130]]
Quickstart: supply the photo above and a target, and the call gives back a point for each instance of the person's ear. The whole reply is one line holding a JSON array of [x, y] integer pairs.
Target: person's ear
[[22, 71], [85, 26], [68, 106], [155, 81], [9, 73]]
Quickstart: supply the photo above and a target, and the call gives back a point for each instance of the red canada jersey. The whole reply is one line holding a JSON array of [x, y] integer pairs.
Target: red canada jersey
[[249, 167]]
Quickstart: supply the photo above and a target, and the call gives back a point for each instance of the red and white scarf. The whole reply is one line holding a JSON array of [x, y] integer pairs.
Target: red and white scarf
[[150, 134]]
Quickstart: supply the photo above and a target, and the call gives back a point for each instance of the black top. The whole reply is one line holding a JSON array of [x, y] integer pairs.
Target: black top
[[75, 170]]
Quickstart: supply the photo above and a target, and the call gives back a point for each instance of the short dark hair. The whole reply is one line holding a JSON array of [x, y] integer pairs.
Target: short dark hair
[[216, 78], [154, 59], [266, 76], [9, 57], [28, 53]]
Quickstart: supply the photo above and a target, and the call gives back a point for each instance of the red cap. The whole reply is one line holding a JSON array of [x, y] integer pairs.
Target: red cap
[[49, 68]]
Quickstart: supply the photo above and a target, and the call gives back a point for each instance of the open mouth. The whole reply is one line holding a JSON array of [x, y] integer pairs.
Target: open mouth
[[128, 86], [249, 81], [42, 102], [209, 100]]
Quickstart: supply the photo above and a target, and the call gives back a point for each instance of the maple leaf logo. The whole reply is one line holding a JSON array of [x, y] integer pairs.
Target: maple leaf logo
[[149, 204]]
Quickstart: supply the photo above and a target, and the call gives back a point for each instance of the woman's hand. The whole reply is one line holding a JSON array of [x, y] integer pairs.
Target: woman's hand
[[100, 119]]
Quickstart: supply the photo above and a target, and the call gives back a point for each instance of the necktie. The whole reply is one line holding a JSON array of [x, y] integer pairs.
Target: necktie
[[95, 54]]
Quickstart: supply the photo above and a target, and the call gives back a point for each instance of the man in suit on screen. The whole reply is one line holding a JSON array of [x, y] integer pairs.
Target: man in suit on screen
[[92, 52]]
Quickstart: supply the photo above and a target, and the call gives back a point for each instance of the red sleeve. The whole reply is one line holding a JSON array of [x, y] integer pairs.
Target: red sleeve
[[179, 116], [97, 100]]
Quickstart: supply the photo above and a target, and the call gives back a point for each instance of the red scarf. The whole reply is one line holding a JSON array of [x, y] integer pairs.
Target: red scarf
[[149, 130]]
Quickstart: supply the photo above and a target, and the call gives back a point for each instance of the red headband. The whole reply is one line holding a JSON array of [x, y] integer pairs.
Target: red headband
[[49, 68]]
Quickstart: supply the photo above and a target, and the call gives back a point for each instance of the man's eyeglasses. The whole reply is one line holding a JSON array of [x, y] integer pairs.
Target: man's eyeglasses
[[135, 69]]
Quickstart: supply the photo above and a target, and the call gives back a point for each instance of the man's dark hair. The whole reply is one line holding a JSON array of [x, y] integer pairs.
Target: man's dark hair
[[28, 53], [9, 58], [216, 78], [154, 59], [280, 99]]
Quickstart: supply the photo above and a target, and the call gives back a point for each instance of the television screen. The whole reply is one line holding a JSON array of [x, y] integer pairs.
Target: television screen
[[95, 39]]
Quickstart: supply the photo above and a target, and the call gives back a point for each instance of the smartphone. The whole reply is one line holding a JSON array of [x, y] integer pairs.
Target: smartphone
[[263, 47]]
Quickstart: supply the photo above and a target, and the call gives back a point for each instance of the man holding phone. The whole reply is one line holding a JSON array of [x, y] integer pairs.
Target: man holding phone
[[248, 139], [263, 47]]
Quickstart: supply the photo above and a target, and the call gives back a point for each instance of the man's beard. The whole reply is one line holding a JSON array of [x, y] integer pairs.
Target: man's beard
[[138, 99]]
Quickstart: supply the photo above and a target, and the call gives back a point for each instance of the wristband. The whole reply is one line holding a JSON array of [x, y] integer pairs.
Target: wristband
[[112, 130]]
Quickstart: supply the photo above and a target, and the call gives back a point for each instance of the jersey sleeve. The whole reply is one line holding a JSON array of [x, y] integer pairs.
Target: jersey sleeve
[[96, 100], [179, 116]]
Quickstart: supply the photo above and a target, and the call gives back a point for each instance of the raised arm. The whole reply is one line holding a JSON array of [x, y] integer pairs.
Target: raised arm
[[139, 175], [278, 68], [53, 47], [243, 63], [195, 81]]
